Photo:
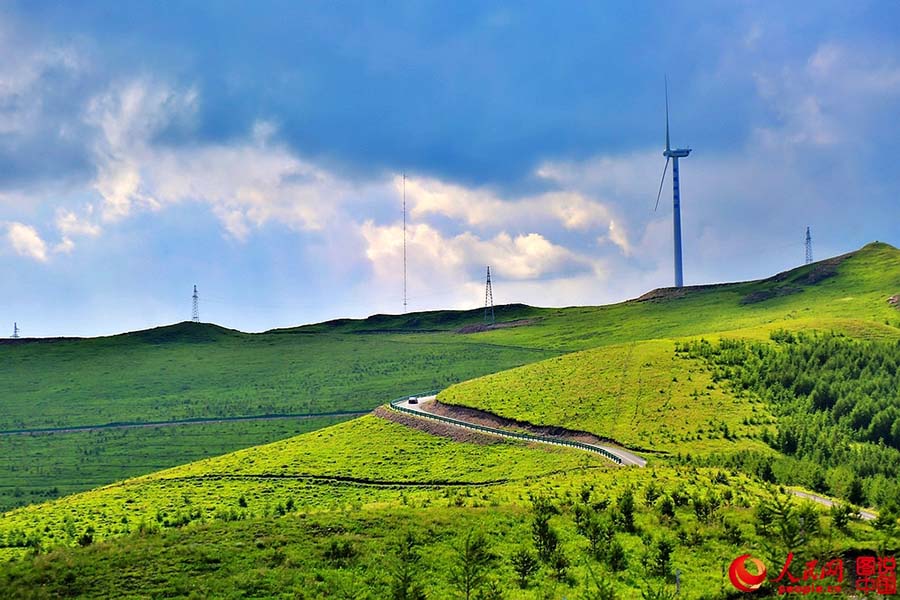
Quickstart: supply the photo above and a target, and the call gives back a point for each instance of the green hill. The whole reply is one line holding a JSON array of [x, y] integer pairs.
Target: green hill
[[667, 395], [640, 395], [195, 371], [191, 371], [323, 514]]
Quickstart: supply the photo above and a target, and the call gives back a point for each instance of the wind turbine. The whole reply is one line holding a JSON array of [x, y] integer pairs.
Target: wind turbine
[[676, 194]]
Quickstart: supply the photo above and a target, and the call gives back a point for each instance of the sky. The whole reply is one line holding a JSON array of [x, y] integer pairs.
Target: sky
[[258, 151]]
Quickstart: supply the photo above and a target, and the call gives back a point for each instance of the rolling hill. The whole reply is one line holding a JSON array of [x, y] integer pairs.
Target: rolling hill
[[324, 514], [189, 371]]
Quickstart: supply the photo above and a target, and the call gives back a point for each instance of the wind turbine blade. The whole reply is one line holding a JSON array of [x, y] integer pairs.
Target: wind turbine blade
[[661, 182], [667, 112]]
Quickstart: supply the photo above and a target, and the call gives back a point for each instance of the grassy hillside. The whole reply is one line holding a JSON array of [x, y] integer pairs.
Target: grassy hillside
[[848, 292], [36, 468], [196, 531], [330, 514], [323, 514], [191, 371], [641, 395], [710, 406], [363, 461]]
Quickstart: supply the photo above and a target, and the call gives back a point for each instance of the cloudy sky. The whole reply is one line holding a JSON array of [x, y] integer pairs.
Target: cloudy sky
[[257, 150]]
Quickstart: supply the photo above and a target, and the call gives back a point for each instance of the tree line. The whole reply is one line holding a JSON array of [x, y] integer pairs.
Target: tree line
[[837, 403]]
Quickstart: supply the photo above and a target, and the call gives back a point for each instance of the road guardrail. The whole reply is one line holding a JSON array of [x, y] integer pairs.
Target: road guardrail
[[394, 404]]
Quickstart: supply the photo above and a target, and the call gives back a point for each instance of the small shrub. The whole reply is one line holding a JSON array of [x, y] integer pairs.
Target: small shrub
[[525, 564], [340, 552]]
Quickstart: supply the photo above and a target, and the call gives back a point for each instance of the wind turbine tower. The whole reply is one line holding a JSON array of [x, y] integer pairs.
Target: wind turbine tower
[[674, 155]]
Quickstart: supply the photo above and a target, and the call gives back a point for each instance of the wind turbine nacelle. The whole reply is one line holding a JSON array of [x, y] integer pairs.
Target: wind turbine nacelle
[[677, 153]]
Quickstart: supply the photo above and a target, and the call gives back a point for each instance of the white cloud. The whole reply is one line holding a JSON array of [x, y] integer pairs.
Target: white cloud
[[25, 240], [618, 237], [127, 117], [70, 224], [447, 271], [246, 184], [525, 256], [255, 181], [65, 246], [854, 71], [481, 207]]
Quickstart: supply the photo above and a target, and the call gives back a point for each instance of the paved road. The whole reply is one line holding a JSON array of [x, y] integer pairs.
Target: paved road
[[181, 422], [863, 514], [627, 458]]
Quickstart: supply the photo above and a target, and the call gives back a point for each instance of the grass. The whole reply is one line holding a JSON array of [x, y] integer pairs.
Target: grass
[[189, 371], [641, 395], [259, 522], [199, 371], [363, 461], [373, 448], [66, 463], [352, 552], [854, 296]]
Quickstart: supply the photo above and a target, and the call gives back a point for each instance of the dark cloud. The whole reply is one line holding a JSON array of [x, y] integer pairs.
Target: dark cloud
[[472, 91]]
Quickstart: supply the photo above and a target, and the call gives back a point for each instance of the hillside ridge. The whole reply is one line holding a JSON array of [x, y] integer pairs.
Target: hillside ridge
[[453, 319]]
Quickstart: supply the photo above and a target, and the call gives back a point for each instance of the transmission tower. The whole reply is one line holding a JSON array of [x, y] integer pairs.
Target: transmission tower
[[195, 315], [404, 242], [15, 331], [809, 257], [488, 299]]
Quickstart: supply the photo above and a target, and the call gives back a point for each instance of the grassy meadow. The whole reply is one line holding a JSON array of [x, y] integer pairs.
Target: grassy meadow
[[614, 533], [369, 508], [641, 395], [187, 371], [363, 461], [66, 463], [850, 295], [190, 371]]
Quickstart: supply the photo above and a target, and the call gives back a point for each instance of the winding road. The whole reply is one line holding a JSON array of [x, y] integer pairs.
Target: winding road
[[616, 454]]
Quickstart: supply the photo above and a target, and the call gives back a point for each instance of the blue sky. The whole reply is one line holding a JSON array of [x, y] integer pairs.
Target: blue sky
[[257, 151]]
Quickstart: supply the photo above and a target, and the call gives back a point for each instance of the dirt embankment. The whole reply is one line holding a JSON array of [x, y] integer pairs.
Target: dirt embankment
[[480, 417], [479, 327], [432, 427], [782, 284]]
